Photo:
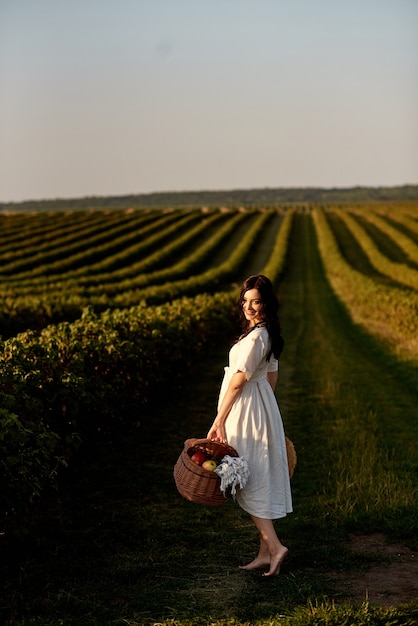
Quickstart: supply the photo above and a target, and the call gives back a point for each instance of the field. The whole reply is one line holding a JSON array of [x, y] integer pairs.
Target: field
[[116, 325]]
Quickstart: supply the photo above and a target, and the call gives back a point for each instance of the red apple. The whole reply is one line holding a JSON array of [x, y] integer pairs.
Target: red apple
[[209, 465], [198, 457]]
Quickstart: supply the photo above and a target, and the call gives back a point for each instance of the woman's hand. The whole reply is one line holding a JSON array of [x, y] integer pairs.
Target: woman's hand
[[217, 433]]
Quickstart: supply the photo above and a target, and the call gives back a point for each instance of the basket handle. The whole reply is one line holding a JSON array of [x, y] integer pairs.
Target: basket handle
[[189, 443], [193, 442]]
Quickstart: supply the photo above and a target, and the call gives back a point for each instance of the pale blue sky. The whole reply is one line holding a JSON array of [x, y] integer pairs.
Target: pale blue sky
[[113, 97]]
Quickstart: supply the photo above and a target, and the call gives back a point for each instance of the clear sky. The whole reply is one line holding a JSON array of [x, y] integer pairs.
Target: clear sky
[[113, 97]]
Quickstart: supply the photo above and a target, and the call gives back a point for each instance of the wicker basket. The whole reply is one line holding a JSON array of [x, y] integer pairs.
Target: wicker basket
[[194, 482]]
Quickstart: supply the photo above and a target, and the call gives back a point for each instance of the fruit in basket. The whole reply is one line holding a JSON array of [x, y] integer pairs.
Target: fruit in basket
[[209, 465], [198, 457]]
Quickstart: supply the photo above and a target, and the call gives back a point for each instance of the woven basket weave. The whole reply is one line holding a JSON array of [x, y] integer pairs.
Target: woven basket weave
[[195, 483], [201, 486]]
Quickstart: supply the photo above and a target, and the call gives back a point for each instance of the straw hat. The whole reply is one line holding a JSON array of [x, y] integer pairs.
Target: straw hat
[[291, 456]]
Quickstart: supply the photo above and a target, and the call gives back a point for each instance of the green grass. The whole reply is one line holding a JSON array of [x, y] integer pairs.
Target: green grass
[[350, 248], [123, 548], [386, 245], [361, 405]]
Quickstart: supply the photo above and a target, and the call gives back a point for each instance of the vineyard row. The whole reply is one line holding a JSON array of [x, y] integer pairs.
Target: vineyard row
[[387, 311], [173, 253], [399, 272], [20, 312], [64, 385]]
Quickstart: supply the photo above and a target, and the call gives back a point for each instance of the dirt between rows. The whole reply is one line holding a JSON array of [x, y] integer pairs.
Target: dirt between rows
[[388, 584]]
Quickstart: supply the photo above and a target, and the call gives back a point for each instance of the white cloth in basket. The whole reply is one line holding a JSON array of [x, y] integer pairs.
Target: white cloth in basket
[[233, 472]]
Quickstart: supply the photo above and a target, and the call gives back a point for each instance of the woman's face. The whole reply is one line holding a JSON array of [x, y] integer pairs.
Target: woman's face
[[252, 306]]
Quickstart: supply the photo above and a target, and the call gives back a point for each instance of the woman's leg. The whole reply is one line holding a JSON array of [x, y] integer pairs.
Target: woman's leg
[[261, 560], [272, 551]]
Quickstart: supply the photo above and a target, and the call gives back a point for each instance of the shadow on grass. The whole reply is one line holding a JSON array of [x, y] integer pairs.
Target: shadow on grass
[[124, 544]]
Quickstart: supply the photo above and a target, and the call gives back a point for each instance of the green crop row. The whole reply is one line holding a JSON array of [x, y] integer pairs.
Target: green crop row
[[144, 271], [25, 259], [389, 313], [405, 243], [38, 311], [73, 382], [18, 227], [275, 265], [399, 272], [99, 256], [31, 240], [211, 280]]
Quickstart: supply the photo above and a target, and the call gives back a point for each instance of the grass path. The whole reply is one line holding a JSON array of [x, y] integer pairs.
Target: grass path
[[342, 394], [334, 362], [128, 550]]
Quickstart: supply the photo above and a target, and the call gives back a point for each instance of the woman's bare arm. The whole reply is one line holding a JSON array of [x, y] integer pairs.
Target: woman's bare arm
[[217, 431], [272, 378]]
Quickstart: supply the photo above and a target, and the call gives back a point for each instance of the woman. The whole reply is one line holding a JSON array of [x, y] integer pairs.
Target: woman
[[249, 419]]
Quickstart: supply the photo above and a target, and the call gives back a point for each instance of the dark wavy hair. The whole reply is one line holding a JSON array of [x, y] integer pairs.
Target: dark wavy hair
[[269, 311]]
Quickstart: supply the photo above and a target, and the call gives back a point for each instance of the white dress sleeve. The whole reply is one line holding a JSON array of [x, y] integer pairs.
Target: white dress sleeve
[[253, 350], [273, 365]]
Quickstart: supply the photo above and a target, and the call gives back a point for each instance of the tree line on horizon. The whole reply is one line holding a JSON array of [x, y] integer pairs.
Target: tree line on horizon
[[268, 197]]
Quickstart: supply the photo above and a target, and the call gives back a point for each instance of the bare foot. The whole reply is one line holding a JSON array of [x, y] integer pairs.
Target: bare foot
[[276, 561], [258, 563]]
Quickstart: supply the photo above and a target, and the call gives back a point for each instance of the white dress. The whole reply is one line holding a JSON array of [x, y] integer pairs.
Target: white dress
[[254, 428]]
